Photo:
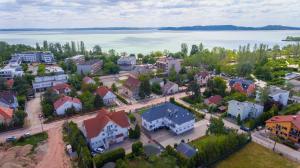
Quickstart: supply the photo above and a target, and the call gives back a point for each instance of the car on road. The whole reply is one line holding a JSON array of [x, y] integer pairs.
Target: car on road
[[11, 139], [245, 128], [27, 135]]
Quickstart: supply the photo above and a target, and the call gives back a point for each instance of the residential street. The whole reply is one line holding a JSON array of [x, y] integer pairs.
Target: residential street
[[36, 127]]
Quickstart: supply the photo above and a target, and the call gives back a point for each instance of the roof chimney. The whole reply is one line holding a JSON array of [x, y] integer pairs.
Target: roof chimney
[[294, 117]]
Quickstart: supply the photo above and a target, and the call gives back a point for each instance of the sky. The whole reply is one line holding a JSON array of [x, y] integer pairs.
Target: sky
[[146, 13]]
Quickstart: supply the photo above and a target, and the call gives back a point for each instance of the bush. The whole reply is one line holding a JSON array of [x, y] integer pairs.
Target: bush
[[135, 133], [121, 99], [137, 148], [110, 156], [291, 109]]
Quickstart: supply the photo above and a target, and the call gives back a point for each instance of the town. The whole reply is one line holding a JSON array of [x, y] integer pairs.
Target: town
[[193, 108]]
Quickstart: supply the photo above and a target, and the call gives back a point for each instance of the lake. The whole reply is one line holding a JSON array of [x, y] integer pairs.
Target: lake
[[145, 41]]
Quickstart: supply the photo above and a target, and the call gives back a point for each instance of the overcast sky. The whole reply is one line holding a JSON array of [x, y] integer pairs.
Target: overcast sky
[[146, 13]]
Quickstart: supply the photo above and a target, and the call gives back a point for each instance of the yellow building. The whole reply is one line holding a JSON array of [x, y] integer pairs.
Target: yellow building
[[287, 127]]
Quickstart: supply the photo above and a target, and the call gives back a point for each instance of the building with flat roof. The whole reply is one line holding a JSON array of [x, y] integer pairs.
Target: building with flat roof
[[166, 63], [77, 59], [279, 95], [89, 67], [35, 57], [176, 118], [126, 63], [44, 82], [244, 109]]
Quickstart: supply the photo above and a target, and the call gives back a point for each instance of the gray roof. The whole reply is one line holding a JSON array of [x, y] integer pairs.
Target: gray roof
[[186, 150], [276, 90], [171, 111], [156, 80]]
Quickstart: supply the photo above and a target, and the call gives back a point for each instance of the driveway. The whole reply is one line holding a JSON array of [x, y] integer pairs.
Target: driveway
[[167, 137], [33, 110]]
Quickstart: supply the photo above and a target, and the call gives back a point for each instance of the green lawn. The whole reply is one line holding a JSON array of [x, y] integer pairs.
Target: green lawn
[[142, 110], [159, 162], [256, 156], [34, 140]]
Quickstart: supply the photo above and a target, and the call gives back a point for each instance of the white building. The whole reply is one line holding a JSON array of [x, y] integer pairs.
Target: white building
[[66, 102], [166, 63], [202, 78], [88, 80], [107, 95], [35, 56], [77, 59], [106, 128], [44, 82], [91, 66], [279, 95], [54, 70], [170, 88], [244, 109], [177, 119], [9, 72], [127, 63]]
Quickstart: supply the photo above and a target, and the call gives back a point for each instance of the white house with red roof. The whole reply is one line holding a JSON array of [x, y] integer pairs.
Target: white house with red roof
[[6, 115], [106, 128], [66, 102], [88, 80], [62, 88], [107, 95], [202, 78]]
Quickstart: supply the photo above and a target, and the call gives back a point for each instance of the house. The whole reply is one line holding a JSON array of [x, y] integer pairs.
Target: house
[[287, 127], [176, 118], [107, 95], [159, 81], [244, 109], [295, 99], [10, 72], [126, 63], [88, 80], [142, 69], [35, 57], [55, 70], [292, 75], [6, 115], [66, 102], [44, 82], [106, 128], [89, 67], [202, 78], [279, 95], [62, 88], [166, 63], [242, 86], [77, 59], [131, 87], [8, 99], [170, 88], [186, 150], [213, 100]]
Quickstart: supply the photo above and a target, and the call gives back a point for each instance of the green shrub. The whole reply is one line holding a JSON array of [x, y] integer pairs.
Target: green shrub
[[110, 156]]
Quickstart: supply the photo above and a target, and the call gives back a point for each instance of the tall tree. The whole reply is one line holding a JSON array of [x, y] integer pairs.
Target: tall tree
[[184, 48], [194, 50]]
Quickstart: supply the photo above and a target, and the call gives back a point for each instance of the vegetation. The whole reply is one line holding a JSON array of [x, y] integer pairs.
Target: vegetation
[[74, 137], [145, 88], [135, 133], [110, 156], [291, 109], [254, 155], [216, 126], [291, 38], [216, 86], [33, 140], [41, 70]]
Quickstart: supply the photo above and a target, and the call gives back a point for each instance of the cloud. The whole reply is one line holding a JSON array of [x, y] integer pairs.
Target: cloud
[[130, 13]]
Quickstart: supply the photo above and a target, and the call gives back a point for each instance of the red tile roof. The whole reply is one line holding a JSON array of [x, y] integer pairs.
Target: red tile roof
[[95, 125], [87, 79], [215, 99], [102, 91], [132, 83], [65, 99], [61, 87], [295, 119], [7, 113]]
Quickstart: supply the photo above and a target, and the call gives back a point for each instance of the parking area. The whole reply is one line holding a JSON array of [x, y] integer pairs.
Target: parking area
[[33, 109], [166, 137]]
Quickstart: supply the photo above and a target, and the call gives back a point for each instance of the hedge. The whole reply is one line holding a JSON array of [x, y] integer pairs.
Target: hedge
[[110, 156], [121, 99]]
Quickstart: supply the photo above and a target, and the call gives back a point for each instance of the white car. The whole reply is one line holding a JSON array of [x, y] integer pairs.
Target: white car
[[99, 150]]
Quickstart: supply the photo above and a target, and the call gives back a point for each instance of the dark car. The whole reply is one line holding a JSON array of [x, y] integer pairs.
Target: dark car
[[245, 128], [11, 139]]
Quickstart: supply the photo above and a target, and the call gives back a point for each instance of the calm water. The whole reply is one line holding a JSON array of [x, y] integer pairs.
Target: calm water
[[145, 41]]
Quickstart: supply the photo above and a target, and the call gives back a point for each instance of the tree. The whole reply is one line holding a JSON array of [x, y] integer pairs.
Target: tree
[[194, 50], [172, 74], [145, 88], [137, 148], [194, 87], [216, 126], [98, 103], [41, 70], [19, 117], [114, 88], [216, 86], [156, 88], [97, 50], [87, 99], [238, 120], [111, 68], [184, 49]]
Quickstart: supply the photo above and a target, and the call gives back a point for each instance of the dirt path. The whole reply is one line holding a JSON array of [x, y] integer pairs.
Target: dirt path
[[55, 156]]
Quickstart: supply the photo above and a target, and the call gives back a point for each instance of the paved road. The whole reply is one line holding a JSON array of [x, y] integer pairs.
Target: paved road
[[36, 127]]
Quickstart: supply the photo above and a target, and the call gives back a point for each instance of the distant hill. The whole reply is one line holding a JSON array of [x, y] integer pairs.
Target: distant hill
[[182, 28], [228, 27]]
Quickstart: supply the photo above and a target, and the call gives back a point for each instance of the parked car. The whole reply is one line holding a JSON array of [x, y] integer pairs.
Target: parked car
[[27, 135], [11, 139], [245, 128], [99, 150]]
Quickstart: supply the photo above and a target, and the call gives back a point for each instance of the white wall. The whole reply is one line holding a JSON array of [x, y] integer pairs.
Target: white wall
[[61, 110]]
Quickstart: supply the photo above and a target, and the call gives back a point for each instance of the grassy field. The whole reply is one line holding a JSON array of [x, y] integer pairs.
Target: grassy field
[[159, 162], [256, 156], [34, 140]]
